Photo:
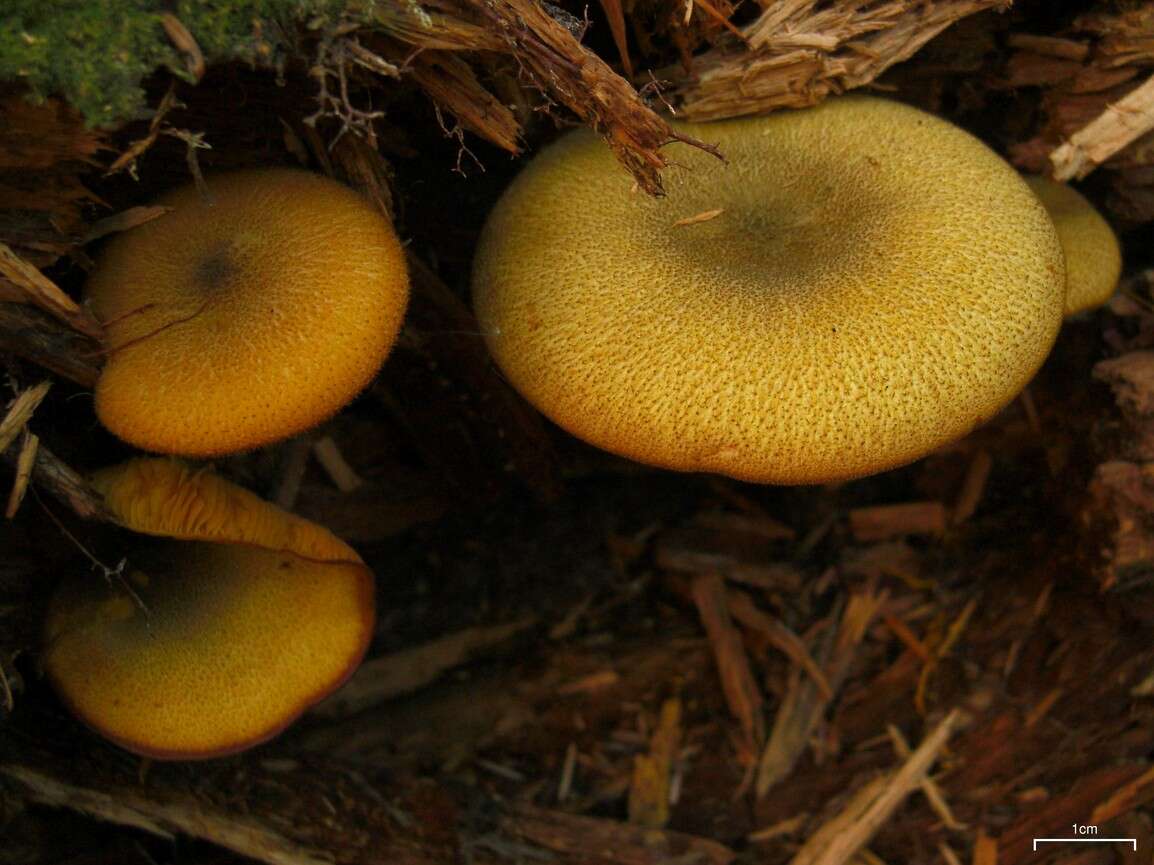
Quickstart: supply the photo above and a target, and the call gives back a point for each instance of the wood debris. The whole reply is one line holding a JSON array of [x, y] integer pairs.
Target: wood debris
[[649, 791], [20, 411], [1122, 123], [741, 691], [549, 58], [886, 522], [804, 706], [840, 839], [22, 281], [402, 673], [797, 52]]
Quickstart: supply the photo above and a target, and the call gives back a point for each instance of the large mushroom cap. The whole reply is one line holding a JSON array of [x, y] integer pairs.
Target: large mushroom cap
[[214, 642], [1093, 257], [246, 317], [217, 647], [876, 283]]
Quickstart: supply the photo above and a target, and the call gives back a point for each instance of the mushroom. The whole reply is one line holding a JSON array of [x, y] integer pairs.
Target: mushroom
[[214, 643], [247, 314], [1093, 258], [861, 284]]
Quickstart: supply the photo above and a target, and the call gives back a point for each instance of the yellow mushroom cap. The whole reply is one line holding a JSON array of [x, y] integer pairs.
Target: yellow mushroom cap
[[168, 498], [247, 317], [213, 643], [1093, 258], [227, 645], [862, 283]]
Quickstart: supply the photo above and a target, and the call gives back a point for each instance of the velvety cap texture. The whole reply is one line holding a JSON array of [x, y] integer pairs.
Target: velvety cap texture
[[861, 283], [216, 648], [234, 618], [245, 317]]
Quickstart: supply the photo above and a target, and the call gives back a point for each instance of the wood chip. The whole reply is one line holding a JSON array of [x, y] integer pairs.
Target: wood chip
[[598, 681], [650, 792], [797, 52], [1113, 130], [841, 838], [24, 464], [704, 216], [803, 708], [930, 789], [742, 608], [596, 841], [1049, 46], [37, 289], [20, 411], [973, 487], [741, 691], [885, 522], [409, 670], [123, 221], [333, 462], [985, 850]]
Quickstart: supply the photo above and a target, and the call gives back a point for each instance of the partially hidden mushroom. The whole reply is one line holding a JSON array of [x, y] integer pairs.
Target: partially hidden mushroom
[[219, 635], [861, 283], [254, 310], [1093, 257]]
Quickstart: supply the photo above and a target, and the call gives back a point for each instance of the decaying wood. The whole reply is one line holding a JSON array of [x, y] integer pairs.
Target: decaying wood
[[886, 522], [407, 671], [837, 841], [285, 812], [741, 691], [20, 411], [592, 841], [26, 282], [27, 332], [973, 487], [64, 484], [1122, 123], [25, 461], [549, 58], [804, 706], [649, 788], [141, 811], [797, 52], [1121, 502]]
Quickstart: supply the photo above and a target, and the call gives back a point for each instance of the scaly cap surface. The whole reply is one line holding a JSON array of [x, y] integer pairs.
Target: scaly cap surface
[[246, 318], [877, 283]]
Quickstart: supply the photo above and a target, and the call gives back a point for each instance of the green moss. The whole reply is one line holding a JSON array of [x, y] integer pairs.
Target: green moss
[[96, 53]]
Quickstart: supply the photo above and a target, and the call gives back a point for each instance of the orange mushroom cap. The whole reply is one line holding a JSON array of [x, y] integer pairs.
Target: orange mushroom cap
[[247, 316], [1093, 256], [207, 648], [861, 284]]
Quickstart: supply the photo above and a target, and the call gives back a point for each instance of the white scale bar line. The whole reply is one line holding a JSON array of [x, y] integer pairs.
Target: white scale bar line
[[1133, 841]]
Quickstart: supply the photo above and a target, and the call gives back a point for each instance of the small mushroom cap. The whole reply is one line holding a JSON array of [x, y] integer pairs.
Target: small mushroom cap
[[246, 318], [222, 646], [167, 498], [1093, 257], [862, 283]]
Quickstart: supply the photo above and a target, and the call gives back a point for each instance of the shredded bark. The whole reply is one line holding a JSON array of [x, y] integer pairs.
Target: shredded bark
[[798, 52]]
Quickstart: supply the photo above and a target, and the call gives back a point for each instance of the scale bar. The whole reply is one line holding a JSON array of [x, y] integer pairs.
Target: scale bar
[[1038, 841]]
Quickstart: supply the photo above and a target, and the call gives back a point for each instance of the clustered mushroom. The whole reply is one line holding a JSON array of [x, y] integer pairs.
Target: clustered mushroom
[[218, 636], [861, 284], [253, 310], [1093, 259]]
